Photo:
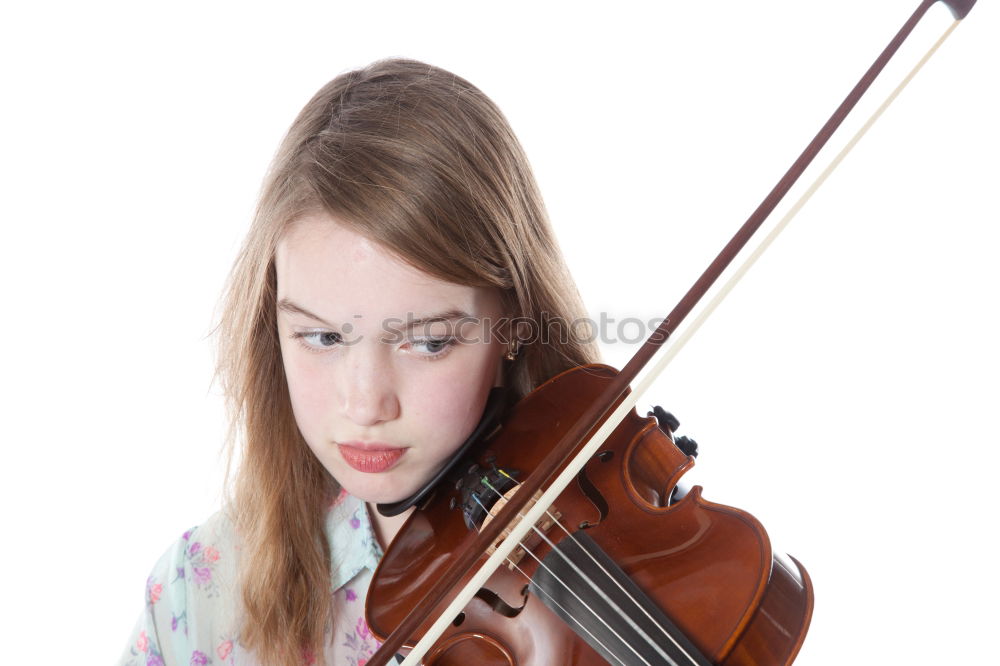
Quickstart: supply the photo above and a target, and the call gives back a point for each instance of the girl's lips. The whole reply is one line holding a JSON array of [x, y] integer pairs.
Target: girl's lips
[[370, 458]]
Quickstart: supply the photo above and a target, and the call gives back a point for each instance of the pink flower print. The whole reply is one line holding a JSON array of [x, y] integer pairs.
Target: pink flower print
[[351, 595], [194, 549], [355, 522], [362, 630], [202, 575], [154, 592], [308, 658], [154, 660], [143, 643], [198, 658], [362, 661], [211, 554], [187, 535], [224, 649]]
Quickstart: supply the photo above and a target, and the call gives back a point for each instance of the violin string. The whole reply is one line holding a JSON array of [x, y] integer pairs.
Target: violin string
[[568, 614], [600, 566], [608, 575], [571, 591], [594, 586], [597, 615]]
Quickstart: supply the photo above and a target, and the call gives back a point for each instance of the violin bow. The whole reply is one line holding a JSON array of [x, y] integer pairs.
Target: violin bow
[[511, 513]]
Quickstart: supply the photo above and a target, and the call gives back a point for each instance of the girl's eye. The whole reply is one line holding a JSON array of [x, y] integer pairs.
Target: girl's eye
[[432, 346], [318, 340]]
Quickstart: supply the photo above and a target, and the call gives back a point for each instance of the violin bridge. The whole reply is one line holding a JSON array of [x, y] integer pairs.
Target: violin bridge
[[533, 538]]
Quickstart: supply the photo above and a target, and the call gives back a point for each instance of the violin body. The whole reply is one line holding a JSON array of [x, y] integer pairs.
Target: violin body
[[622, 576]]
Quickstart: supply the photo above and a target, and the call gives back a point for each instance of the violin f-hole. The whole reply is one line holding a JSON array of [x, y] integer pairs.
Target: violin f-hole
[[591, 492], [496, 602]]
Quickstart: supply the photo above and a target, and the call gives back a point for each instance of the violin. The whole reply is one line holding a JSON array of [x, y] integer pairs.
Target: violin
[[611, 537], [603, 559]]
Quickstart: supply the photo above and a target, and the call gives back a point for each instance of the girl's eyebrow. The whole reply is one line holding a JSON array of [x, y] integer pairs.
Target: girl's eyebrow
[[288, 305], [447, 315]]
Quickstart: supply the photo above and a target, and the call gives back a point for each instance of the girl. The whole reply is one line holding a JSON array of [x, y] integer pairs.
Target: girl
[[398, 230]]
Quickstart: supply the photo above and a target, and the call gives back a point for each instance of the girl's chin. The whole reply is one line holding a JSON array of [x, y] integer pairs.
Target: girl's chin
[[393, 485], [376, 491]]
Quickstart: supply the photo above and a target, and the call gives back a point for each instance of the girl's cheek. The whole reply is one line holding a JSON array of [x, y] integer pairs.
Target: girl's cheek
[[455, 399], [315, 391], [308, 395]]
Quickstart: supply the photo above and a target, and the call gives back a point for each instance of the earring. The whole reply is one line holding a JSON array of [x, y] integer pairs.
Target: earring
[[512, 350]]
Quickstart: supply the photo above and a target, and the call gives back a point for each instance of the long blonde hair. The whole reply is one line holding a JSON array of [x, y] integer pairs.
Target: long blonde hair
[[421, 161]]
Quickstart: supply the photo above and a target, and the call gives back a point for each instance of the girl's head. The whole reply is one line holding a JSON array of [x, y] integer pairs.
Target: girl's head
[[399, 192], [408, 165]]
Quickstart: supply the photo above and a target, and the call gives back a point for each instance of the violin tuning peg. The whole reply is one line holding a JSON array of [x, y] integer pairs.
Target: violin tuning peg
[[666, 420], [687, 445]]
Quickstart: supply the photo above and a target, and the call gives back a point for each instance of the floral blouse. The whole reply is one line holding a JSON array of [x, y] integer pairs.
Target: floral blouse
[[192, 596]]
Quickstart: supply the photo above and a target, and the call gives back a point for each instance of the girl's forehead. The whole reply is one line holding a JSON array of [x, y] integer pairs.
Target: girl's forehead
[[322, 264]]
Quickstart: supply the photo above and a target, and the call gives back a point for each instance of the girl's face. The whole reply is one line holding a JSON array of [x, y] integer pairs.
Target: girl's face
[[381, 398]]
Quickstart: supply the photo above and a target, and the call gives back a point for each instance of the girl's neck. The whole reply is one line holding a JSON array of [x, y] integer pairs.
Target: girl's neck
[[386, 527]]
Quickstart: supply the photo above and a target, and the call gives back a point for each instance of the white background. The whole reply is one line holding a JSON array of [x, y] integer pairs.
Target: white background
[[845, 394]]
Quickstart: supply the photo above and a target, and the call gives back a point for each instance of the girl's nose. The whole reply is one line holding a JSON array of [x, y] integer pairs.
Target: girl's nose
[[368, 392]]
